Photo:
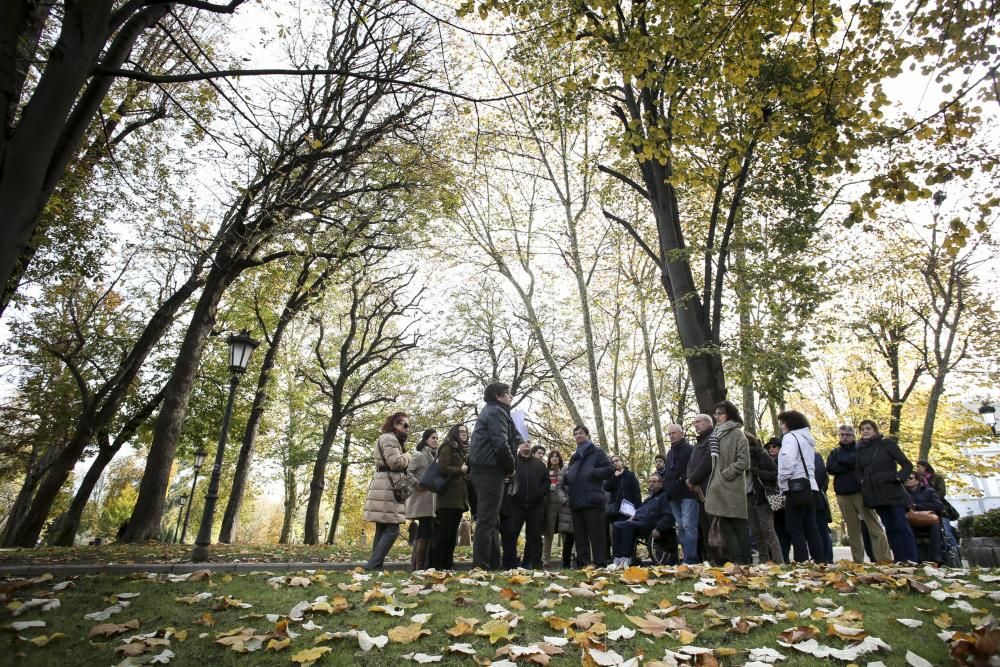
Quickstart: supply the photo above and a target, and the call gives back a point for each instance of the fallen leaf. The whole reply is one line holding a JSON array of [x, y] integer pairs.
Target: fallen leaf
[[111, 629], [42, 640], [278, 644], [463, 626], [405, 634], [915, 660], [422, 657], [308, 656]]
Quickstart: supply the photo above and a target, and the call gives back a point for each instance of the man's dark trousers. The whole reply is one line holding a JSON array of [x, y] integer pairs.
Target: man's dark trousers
[[531, 518], [489, 488]]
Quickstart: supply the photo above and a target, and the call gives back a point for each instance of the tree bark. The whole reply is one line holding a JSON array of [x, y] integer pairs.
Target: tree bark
[[654, 400], [318, 482], [338, 503], [70, 523], [291, 498], [144, 524]]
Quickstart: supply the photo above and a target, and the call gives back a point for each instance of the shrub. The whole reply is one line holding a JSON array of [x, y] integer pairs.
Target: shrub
[[981, 525]]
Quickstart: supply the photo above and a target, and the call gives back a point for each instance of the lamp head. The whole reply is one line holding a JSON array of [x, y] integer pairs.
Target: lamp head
[[989, 414], [241, 346]]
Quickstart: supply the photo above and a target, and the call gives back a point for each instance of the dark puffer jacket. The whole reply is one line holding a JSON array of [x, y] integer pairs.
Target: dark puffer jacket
[[881, 481], [532, 483], [925, 499], [651, 510], [585, 475]]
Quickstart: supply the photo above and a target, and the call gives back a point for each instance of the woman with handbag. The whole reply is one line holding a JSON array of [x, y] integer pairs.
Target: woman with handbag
[[924, 516], [451, 502], [726, 497], [761, 502], [384, 504], [797, 480], [420, 504], [882, 468]]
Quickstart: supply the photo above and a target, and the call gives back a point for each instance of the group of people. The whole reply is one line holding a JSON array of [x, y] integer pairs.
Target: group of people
[[713, 499]]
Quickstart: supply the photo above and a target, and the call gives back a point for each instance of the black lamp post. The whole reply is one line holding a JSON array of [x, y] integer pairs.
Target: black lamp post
[[989, 415], [240, 348], [199, 459], [180, 513]]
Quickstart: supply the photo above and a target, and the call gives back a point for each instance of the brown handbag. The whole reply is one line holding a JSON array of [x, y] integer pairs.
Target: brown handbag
[[922, 518]]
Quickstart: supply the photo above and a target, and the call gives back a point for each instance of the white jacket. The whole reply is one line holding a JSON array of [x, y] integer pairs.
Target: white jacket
[[789, 463]]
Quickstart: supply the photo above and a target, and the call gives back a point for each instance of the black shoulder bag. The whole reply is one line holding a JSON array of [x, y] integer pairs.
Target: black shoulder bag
[[799, 492]]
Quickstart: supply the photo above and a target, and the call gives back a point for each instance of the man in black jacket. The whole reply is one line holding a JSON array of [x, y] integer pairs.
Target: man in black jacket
[[683, 503], [846, 484], [699, 469], [491, 461], [525, 508]]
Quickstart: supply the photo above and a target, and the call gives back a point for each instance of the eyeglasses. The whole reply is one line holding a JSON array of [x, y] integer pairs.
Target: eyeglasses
[[846, 435], [403, 424], [719, 413]]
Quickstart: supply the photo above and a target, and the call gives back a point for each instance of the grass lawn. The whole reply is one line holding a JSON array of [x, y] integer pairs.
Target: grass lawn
[[728, 610], [155, 552]]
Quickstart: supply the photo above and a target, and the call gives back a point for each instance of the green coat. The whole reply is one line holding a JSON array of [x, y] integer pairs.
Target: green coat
[[727, 485], [455, 494]]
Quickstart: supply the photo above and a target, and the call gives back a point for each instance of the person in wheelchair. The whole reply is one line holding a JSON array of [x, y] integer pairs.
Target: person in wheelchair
[[625, 534], [929, 538]]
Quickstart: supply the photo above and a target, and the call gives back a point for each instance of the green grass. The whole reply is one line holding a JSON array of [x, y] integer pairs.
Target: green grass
[[155, 552], [881, 595]]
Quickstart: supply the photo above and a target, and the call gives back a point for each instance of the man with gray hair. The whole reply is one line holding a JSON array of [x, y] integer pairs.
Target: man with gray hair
[[847, 485], [683, 503], [699, 469]]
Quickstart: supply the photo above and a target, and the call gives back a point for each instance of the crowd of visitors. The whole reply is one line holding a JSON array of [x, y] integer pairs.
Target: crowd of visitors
[[718, 499]]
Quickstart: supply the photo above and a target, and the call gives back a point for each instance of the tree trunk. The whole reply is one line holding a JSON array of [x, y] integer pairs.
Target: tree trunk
[[927, 435], [318, 482], [70, 523], [34, 155], [654, 400], [338, 503], [242, 470], [290, 498], [98, 416], [144, 524]]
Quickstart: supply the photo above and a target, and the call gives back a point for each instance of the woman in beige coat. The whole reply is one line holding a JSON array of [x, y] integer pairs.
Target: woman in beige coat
[[726, 498], [420, 504], [381, 505]]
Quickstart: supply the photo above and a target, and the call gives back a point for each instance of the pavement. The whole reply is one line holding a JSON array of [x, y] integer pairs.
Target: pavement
[[73, 569]]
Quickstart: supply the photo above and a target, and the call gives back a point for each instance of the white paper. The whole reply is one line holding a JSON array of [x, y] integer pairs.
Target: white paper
[[627, 508]]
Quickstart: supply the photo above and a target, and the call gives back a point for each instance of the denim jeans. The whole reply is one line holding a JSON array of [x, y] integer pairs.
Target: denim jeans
[[686, 517]]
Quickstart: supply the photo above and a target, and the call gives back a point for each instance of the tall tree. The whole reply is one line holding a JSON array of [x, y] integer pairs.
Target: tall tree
[[326, 155], [371, 338], [51, 89]]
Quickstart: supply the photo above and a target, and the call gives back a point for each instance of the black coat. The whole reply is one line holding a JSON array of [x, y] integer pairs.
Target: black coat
[[700, 463], [532, 482], [675, 471], [842, 463], [494, 440], [764, 470], [881, 481], [584, 478], [624, 487]]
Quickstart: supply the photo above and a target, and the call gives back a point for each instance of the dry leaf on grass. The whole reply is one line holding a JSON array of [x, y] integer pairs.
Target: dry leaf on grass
[[405, 634], [463, 626], [308, 656], [112, 629]]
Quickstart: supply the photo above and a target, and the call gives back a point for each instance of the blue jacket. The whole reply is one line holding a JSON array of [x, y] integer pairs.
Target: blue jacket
[[924, 498], [651, 510], [841, 463], [585, 475]]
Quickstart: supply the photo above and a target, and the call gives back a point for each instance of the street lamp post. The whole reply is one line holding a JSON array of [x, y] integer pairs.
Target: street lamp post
[[180, 513], [240, 348], [199, 459], [989, 415]]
